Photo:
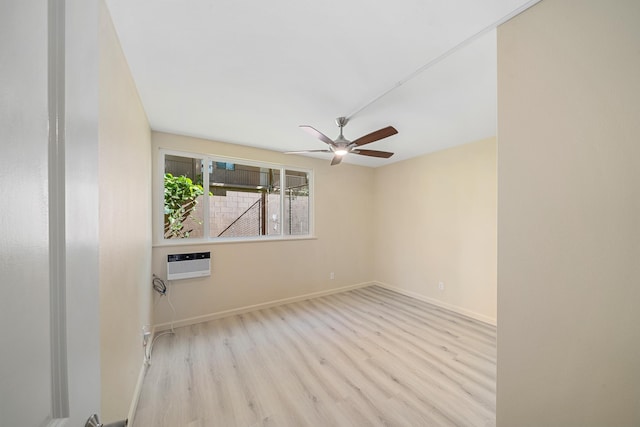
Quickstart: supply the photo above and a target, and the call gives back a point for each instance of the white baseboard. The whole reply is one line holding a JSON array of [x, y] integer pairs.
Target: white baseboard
[[463, 311], [220, 314], [136, 392]]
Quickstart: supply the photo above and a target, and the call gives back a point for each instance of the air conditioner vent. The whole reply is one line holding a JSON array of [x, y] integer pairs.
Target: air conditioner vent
[[185, 266]]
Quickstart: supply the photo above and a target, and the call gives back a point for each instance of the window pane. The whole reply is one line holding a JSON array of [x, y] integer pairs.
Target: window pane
[[296, 203], [183, 192], [245, 200], [239, 200], [273, 208]]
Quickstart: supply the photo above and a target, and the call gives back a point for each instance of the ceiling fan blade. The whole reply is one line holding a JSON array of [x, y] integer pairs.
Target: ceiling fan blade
[[375, 136], [307, 151], [321, 136], [373, 153], [336, 160]]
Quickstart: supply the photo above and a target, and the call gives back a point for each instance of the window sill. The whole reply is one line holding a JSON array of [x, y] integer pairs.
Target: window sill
[[221, 241]]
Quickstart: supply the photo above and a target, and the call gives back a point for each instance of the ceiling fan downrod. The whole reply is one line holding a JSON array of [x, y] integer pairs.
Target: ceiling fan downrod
[[341, 122]]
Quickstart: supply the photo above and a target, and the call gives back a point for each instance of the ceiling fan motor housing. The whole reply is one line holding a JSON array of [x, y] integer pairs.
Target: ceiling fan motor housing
[[342, 122]]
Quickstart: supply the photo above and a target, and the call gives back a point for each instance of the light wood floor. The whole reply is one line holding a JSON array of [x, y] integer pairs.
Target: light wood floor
[[367, 357]]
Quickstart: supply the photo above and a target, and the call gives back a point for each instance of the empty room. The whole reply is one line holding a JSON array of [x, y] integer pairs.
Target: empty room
[[320, 214]]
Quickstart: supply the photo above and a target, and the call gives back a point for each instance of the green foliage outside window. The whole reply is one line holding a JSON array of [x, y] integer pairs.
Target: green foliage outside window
[[180, 195]]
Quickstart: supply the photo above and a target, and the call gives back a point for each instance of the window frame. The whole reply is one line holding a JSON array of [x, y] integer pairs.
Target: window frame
[[158, 207]]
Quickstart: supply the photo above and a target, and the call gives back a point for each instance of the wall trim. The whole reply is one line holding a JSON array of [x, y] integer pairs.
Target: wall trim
[[133, 407], [456, 309], [56, 56], [136, 393], [241, 310]]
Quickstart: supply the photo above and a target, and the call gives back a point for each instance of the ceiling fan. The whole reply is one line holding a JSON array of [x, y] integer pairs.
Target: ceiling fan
[[342, 146]]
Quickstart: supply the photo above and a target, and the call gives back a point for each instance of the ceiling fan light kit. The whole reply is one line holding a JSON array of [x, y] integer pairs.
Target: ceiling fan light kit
[[341, 146]]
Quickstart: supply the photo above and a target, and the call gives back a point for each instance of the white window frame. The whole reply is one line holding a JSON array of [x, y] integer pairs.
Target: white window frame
[[206, 158]]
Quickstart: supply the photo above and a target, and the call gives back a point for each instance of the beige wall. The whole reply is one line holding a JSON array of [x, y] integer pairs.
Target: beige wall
[[125, 231], [245, 274], [435, 221], [569, 212]]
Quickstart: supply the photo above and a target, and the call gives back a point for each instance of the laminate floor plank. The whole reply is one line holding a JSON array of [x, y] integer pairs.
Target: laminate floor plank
[[366, 357], [424, 352], [440, 323]]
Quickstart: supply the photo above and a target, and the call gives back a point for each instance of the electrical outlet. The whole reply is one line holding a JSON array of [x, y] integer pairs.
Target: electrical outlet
[[146, 334], [332, 276], [441, 286]]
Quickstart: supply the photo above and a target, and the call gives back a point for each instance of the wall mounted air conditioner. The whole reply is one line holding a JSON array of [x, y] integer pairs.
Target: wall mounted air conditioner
[[185, 266]]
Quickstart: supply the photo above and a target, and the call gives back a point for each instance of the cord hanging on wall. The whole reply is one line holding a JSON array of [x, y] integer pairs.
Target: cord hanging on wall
[[160, 286]]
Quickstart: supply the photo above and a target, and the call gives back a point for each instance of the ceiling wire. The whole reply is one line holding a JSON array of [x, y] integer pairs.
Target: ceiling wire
[[446, 54]]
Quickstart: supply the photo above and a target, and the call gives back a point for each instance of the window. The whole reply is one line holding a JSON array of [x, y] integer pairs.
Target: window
[[212, 198]]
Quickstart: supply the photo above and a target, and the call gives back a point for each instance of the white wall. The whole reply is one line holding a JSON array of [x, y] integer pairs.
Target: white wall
[[435, 221], [568, 215], [125, 228], [245, 274]]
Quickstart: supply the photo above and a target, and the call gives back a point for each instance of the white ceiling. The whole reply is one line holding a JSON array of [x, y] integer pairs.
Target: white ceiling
[[249, 72]]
